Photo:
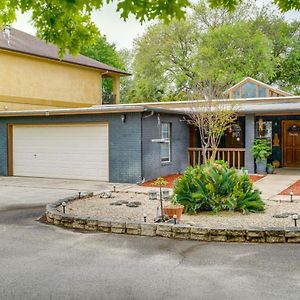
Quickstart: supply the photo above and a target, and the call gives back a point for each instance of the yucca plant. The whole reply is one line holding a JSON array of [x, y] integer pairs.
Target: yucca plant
[[216, 187]]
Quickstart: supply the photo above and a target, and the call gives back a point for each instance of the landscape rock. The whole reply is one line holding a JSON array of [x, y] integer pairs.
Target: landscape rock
[[118, 227], [104, 226], [164, 230], [199, 233], [133, 228], [148, 229], [218, 235]]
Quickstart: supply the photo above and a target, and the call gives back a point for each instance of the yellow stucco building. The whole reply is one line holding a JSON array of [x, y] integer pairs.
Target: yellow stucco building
[[33, 77]]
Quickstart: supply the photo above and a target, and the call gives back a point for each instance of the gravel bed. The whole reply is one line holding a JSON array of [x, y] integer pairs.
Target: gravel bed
[[101, 207]]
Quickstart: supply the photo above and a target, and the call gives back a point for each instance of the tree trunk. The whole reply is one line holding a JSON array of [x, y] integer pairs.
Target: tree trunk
[[213, 153]]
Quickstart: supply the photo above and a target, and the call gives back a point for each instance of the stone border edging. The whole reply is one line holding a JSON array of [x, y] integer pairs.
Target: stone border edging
[[179, 231]]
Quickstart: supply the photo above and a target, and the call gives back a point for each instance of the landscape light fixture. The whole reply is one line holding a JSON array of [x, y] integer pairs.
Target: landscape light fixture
[[79, 195], [64, 204], [152, 195], [291, 195], [175, 219], [295, 218], [165, 194]]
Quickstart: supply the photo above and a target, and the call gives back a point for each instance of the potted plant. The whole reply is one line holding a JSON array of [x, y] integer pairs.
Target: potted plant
[[261, 151], [173, 209], [270, 168]]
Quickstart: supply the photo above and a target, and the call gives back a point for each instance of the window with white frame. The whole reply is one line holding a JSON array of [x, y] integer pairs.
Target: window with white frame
[[165, 150]]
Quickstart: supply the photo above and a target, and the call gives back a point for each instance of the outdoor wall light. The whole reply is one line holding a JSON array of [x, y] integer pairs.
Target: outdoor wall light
[[123, 118], [64, 204], [291, 195], [145, 218], [295, 218]]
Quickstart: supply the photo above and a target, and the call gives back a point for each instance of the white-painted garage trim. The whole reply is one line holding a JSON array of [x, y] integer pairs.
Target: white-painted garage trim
[[68, 151]]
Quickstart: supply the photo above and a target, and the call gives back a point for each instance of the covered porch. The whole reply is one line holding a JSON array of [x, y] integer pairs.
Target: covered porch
[[281, 131]]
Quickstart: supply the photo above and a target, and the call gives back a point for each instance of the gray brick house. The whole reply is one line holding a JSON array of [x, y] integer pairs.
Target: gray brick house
[[132, 142], [110, 143]]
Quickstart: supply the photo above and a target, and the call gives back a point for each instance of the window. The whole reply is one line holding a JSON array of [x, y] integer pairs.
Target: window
[[249, 90], [262, 92], [165, 148], [237, 94]]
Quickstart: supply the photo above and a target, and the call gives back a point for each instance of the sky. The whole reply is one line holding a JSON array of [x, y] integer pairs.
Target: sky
[[110, 24]]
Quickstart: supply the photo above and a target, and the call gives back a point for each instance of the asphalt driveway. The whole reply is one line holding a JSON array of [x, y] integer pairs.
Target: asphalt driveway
[[28, 192], [40, 261]]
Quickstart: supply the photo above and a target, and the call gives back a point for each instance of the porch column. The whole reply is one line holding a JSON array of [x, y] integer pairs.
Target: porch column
[[116, 88], [249, 138]]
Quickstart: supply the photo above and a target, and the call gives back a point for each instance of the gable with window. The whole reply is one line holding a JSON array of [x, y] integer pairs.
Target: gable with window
[[252, 88]]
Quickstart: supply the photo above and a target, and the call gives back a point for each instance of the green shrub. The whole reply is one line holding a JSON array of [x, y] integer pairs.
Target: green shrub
[[215, 187]]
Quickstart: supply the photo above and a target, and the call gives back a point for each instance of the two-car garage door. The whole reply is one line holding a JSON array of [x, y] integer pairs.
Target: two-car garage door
[[60, 151]]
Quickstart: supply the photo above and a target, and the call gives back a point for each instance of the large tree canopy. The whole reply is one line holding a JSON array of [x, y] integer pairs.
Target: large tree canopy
[[215, 48], [68, 24], [284, 5], [107, 53]]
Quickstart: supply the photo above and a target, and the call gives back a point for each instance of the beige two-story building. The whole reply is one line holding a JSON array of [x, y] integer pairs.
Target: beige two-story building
[[33, 77]]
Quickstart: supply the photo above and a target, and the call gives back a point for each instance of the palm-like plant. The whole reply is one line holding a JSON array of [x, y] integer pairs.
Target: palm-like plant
[[216, 187]]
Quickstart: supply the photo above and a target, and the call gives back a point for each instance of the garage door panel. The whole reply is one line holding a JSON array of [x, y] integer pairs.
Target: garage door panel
[[78, 152]]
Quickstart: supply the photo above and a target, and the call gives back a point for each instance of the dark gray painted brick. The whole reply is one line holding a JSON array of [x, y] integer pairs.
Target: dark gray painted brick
[[152, 166], [124, 141]]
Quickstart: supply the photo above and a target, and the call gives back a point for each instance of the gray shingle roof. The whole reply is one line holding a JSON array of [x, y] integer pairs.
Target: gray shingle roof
[[22, 42]]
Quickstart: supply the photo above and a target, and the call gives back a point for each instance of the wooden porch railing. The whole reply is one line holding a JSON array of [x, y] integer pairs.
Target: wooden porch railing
[[234, 156]]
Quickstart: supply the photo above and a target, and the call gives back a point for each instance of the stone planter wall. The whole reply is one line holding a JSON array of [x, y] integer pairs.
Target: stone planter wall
[[178, 231]]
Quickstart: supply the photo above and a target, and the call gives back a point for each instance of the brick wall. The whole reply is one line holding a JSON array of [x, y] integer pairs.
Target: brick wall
[[124, 141], [152, 166]]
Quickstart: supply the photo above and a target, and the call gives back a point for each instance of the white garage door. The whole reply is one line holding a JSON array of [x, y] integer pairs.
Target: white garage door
[[61, 151]]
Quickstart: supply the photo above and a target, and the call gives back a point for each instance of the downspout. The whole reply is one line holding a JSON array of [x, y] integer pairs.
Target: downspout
[[142, 153], [142, 156]]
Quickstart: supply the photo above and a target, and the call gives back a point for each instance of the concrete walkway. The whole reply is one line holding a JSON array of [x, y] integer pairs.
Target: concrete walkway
[[29, 191], [273, 184]]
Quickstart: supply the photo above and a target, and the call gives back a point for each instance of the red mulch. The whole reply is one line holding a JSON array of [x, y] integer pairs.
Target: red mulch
[[171, 179], [295, 188], [255, 178]]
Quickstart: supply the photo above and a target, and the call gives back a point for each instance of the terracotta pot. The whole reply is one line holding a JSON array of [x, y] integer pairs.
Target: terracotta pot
[[174, 210]]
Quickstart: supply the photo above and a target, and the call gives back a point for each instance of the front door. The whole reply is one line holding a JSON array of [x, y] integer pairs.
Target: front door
[[291, 143]]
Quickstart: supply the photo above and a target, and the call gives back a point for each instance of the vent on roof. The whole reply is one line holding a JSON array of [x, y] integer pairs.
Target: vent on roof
[[6, 33]]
